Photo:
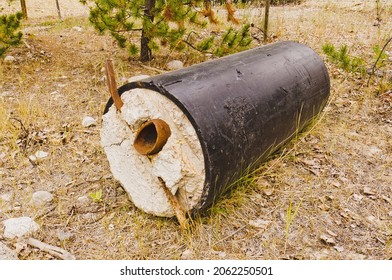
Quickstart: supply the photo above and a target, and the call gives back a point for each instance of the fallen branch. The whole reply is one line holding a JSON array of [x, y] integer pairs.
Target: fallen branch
[[53, 250], [153, 68]]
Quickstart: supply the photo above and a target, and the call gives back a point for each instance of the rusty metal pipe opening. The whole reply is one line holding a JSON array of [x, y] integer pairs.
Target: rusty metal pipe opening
[[151, 137]]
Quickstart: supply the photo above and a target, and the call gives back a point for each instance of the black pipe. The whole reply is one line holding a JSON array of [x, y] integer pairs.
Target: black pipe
[[244, 106]]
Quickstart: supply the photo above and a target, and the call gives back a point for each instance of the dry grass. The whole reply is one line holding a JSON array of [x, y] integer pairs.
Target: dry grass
[[317, 185]]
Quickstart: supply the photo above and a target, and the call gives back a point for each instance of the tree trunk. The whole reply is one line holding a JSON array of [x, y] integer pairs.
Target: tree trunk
[[266, 17], [24, 8], [145, 51]]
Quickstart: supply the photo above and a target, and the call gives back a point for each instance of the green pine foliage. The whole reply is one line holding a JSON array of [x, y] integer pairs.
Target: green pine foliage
[[175, 24], [9, 35], [342, 58], [380, 56], [234, 40]]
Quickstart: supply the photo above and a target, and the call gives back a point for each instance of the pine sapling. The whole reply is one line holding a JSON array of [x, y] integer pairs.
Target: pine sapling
[[176, 24], [9, 34]]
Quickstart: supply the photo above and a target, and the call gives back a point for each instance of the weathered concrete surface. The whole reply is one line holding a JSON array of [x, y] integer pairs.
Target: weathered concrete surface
[[180, 163]]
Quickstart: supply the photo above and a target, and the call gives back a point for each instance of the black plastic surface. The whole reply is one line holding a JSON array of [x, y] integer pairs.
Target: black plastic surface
[[244, 106]]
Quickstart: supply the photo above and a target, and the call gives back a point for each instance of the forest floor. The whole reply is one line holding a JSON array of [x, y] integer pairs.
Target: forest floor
[[326, 195]]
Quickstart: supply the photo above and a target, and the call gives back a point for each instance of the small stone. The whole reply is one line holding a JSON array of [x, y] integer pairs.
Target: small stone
[[107, 177], [368, 191], [16, 206], [372, 150], [83, 201], [328, 239], [339, 248], [33, 158], [137, 78], [373, 220], [6, 253], [321, 255], [387, 199], [355, 256], [7, 197], [20, 246], [390, 213], [41, 155], [268, 192], [175, 65], [187, 255], [9, 59], [77, 28], [38, 156], [222, 255], [259, 223], [111, 227], [336, 184], [18, 227], [63, 235], [89, 216], [89, 121], [358, 197], [331, 233], [41, 198]]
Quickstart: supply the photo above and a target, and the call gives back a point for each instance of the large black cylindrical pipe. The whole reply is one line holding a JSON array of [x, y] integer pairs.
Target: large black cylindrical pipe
[[244, 106]]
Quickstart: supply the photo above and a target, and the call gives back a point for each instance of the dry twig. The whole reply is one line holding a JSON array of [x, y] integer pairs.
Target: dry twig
[[53, 250], [378, 58]]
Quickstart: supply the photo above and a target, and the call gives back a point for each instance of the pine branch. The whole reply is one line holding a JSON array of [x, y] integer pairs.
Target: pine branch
[[208, 12], [186, 41], [230, 13]]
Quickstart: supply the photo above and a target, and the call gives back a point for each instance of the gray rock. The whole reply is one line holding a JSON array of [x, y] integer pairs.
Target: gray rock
[[9, 59], [6, 253], [89, 121], [6, 197], [63, 235], [18, 227], [222, 255], [137, 78], [41, 198], [372, 151], [38, 156], [6, 201], [175, 65], [187, 255], [77, 28], [82, 201]]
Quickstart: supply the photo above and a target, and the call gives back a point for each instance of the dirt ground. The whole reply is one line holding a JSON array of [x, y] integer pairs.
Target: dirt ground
[[326, 195]]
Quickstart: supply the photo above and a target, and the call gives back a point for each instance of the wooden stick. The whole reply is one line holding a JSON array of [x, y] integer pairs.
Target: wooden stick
[[58, 9], [24, 8], [266, 18], [112, 85], [53, 250]]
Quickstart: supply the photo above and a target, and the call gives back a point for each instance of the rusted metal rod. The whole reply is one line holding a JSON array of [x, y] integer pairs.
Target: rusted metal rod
[[112, 84], [178, 211]]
